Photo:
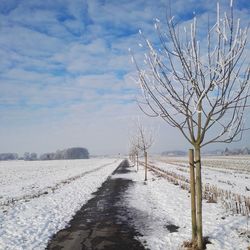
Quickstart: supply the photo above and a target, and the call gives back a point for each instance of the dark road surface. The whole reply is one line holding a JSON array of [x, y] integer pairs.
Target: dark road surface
[[102, 223]]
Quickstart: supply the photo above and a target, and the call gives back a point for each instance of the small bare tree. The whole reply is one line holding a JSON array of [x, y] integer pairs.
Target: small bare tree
[[131, 155], [134, 153], [142, 141], [198, 85]]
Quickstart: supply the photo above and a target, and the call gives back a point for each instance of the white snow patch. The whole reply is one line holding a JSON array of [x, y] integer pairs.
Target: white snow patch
[[158, 203], [28, 224]]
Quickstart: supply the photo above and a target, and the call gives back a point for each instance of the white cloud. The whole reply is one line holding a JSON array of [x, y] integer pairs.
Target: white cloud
[[66, 75]]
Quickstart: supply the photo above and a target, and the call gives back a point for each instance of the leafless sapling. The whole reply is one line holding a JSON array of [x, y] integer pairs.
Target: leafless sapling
[[198, 84], [144, 140]]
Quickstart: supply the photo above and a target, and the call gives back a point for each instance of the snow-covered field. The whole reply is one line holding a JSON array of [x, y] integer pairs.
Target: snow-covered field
[[39, 198], [238, 163], [229, 173], [159, 203]]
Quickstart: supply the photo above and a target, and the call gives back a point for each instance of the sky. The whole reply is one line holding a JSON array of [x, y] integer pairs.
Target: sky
[[66, 75]]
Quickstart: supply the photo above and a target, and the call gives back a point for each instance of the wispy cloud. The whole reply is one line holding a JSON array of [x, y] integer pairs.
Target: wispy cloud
[[65, 67]]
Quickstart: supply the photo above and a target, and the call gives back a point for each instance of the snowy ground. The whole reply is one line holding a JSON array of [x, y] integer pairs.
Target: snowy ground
[[228, 173], [159, 203], [239, 163], [39, 198]]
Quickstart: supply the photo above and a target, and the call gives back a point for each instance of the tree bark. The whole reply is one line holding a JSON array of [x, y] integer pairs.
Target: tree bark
[[198, 197], [146, 165], [192, 192]]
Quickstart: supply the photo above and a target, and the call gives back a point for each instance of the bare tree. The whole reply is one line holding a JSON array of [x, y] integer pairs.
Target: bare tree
[[198, 85], [134, 151], [142, 141]]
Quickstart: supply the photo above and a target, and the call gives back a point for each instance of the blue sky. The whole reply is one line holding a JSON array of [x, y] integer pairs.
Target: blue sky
[[65, 71]]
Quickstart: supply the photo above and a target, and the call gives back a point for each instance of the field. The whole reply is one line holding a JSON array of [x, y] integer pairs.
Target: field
[[166, 200], [39, 198], [222, 176], [238, 163]]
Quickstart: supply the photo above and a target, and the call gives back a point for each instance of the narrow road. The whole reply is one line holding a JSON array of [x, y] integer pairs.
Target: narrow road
[[102, 223]]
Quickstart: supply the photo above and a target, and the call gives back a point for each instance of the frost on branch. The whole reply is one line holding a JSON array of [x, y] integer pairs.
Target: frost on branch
[[197, 83]]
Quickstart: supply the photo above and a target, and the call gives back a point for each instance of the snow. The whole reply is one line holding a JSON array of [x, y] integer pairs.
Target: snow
[[39, 198], [157, 203], [229, 173], [238, 163], [234, 180]]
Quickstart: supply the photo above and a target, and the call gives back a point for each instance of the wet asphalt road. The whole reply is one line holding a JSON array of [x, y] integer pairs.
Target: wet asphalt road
[[102, 223]]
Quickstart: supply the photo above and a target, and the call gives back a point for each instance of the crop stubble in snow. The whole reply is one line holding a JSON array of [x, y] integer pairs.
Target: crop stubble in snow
[[103, 222]]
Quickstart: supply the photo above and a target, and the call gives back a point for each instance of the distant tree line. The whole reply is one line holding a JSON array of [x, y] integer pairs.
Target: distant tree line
[[242, 151], [8, 156], [227, 151], [30, 156], [174, 153], [69, 153]]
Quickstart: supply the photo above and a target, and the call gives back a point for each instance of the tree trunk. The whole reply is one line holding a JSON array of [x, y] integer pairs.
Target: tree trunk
[[146, 165], [137, 163], [192, 192], [198, 197]]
